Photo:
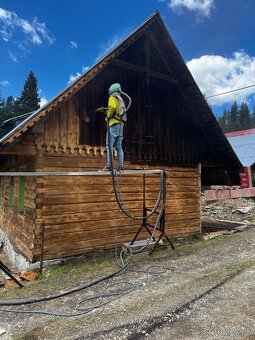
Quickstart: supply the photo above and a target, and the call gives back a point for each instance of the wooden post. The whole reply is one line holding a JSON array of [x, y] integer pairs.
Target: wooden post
[[42, 248]]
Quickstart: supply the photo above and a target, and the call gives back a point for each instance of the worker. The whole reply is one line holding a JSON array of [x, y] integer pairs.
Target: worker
[[116, 116]]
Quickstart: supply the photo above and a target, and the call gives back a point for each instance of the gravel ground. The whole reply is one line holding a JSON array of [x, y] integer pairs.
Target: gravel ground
[[227, 312], [207, 292]]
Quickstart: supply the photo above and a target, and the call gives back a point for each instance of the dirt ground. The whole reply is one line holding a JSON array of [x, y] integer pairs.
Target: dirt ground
[[230, 209], [202, 290]]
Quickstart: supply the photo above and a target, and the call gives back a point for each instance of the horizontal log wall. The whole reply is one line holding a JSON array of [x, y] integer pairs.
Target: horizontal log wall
[[183, 201], [81, 213]]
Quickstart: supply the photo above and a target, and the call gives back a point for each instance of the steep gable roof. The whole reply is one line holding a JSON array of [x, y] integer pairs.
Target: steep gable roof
[[218, 151]]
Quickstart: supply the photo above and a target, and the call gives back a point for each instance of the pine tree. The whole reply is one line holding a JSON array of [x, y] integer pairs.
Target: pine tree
[[29, 99], [3, 114], [244, 117], [7, 109], [234, 118], [253, 119], [27, 102], [2, 110], [223, 121], [237, 119], [226, 121], [1, 100], [10, 106]]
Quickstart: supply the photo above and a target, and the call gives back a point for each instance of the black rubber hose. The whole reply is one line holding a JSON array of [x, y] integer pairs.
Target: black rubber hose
[[129, 99], [126, 212], [56, 296]]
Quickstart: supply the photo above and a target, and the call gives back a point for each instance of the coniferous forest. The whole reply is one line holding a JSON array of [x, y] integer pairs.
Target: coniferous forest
[[27, 102], [239, 117]]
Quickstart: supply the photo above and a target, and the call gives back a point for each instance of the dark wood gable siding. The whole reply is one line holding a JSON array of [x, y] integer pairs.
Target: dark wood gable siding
[[159, 128]]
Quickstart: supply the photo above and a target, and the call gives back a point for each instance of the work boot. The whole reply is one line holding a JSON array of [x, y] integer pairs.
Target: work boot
[[105, 169], [120, 168]]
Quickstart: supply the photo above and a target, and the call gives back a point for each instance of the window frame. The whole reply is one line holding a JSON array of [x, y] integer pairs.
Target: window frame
[[11, 193], [21, 193]]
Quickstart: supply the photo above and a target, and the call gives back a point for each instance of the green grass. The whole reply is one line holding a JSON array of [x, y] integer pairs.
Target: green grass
[[76, 271], [64, 276], [222, 273], [135, 307], [30, 335], [240, 266]]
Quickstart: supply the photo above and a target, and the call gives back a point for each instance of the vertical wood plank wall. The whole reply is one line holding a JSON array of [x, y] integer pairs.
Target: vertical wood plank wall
[[60, 131], [81, 214]]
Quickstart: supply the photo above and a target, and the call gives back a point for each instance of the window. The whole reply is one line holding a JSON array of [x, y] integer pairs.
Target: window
[[21, 203], [11, 193], [22, 182], [1, 189]]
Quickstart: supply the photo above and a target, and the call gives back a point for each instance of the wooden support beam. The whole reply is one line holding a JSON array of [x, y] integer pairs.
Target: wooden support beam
[[159, 50], [19, 150], [141, 69]]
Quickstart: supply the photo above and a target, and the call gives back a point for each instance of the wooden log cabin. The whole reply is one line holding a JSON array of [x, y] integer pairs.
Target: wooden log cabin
[[170, 126]]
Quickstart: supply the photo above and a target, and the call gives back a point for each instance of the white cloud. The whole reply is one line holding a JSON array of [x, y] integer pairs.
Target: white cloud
[[110, 44], [13, 56], [41, 29], [73, 44], [6, 36], [43, 101], [73, 77], [34, 33], [85, 68], [215, 74], [4, 82], [201, 7]]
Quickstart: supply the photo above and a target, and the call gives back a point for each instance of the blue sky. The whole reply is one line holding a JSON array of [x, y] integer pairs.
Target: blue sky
[[60, 39]]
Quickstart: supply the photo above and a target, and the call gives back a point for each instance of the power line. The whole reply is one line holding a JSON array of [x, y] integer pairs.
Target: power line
[[220, 94]]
